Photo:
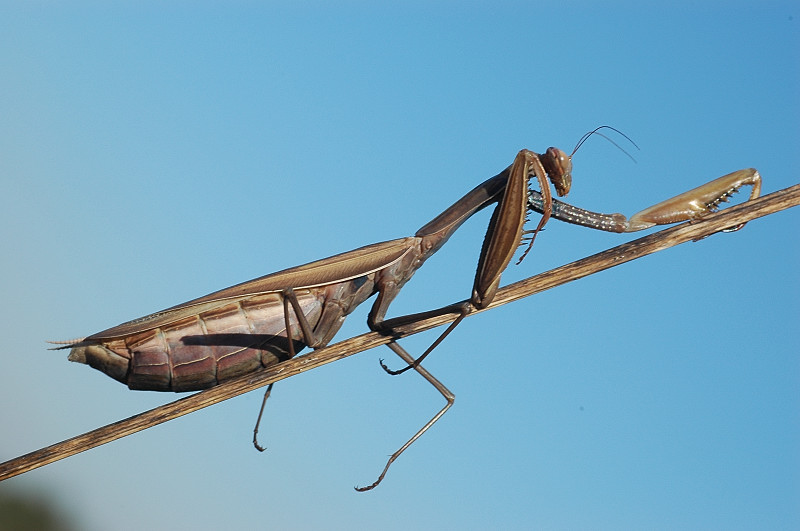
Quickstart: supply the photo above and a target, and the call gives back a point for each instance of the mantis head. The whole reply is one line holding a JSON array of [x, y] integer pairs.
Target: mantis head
[[558, 166]]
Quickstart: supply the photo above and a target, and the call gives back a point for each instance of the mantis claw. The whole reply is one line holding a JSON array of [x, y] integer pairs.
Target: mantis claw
[[697, 203]]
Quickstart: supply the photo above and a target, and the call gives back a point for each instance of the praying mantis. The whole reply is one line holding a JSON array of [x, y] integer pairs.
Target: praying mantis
[[266, 321]]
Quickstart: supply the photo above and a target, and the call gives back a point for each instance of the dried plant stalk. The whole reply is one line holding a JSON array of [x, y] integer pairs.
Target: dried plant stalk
[[658, 241]]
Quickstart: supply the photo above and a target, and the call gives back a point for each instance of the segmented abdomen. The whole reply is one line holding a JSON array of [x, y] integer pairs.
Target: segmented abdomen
[[202, 350]]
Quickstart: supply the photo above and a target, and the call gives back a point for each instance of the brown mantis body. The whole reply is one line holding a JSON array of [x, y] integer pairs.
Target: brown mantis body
[[240, 329]]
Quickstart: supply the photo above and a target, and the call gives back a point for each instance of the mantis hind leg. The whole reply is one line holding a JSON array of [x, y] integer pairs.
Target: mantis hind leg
[[310, 338], [446, 393], [258, 420]]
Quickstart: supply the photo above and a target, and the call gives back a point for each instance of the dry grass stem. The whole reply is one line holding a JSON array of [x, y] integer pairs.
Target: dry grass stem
[[658, 241]]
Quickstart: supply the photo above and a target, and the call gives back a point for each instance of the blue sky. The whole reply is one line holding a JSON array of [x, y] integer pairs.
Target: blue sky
[[152, 154]]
